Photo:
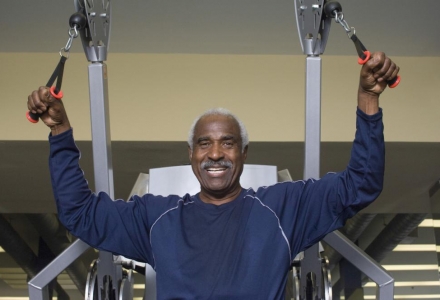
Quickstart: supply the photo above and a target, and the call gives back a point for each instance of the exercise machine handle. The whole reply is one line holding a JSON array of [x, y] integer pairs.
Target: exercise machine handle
[[333, 9]]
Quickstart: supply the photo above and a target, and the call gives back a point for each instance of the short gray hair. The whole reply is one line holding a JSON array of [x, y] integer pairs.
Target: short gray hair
[[223, 112]]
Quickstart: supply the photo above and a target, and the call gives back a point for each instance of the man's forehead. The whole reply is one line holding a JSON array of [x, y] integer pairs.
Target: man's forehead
[[216, 124]]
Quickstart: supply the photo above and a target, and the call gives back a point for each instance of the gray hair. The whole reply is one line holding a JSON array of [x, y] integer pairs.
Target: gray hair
[[223, 112]]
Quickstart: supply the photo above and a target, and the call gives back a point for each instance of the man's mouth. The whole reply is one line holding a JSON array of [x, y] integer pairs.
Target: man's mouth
[[216, 166], [216, 170]]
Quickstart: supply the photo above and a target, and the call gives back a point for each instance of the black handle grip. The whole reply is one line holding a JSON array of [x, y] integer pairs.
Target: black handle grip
[[33, 118]]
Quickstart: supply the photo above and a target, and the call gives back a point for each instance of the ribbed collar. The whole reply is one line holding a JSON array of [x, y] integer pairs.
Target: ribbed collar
[[218, 208]]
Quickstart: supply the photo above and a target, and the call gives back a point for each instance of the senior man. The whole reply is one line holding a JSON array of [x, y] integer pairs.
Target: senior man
[[224, 242]]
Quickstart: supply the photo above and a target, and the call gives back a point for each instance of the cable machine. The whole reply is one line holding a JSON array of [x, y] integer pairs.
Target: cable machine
[[108, 279], [311, 276]]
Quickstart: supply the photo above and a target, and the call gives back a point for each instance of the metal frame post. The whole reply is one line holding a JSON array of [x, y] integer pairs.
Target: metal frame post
[[313, 118], [95, 43], [102, 163], [312, 260], [313, 28]]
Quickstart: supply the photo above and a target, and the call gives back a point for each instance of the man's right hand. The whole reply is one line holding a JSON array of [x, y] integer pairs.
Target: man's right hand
[[51, 110]]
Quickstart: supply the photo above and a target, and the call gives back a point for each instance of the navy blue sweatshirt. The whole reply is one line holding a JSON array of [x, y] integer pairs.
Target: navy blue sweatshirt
[[238, 250]]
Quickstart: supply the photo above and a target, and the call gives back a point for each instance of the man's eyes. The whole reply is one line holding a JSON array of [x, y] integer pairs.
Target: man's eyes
[[204, 144], [227, 144]]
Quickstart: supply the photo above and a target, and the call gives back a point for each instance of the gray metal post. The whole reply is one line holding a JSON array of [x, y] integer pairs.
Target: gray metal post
[[101, 141], [313, 118], [102, 162], [312, 260], [95, 45], [313, 29]]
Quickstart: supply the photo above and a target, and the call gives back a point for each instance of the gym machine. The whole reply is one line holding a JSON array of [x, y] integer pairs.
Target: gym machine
[[110, 277], [311, 276], [107, 279]]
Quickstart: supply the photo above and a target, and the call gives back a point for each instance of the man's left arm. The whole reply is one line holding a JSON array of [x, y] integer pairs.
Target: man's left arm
[[361, 183], [313, 208]]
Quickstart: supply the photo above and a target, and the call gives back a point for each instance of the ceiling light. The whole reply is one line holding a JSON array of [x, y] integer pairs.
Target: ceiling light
[[416, 247], [410, 267], [430, 223], [430, 296], [408, 283], [19, 298]]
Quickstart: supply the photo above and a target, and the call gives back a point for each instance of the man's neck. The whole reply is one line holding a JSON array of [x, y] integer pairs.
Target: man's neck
[[219, 199]]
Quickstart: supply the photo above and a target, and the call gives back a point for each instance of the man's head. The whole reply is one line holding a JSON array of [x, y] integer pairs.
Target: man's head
[[224, 112], [217, 146]]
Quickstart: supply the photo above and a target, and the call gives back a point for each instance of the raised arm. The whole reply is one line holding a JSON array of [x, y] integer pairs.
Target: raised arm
[[116, 226], [310, 209]]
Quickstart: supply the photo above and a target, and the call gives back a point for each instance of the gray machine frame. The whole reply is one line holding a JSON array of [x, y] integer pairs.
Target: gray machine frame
[[95, 43], [313, 30]]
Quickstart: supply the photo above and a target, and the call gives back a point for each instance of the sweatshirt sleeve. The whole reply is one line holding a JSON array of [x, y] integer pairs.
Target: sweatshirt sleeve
[[116, 226], [310, 209]]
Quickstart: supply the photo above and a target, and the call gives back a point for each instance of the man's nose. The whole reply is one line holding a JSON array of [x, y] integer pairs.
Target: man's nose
[[216, 152]]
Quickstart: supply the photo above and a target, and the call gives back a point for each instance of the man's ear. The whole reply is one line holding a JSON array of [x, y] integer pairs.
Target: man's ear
[[190, 153], [245, 150]]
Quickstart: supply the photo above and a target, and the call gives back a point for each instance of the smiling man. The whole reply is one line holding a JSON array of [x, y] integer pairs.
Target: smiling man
[[224, 242], [217, 153]]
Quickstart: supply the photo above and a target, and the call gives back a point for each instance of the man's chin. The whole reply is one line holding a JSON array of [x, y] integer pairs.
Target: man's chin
[[219, 190]]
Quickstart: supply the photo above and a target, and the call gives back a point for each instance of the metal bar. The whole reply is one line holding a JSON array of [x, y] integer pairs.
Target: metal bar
[[38, 293], [385, 292], [150, 283], [38, 286], [364, 263], [312, 260], [313, 117], [312, 24], [101, 142], [102, 160], [95, 43]]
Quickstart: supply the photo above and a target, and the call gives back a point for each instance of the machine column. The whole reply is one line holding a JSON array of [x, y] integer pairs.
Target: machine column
[[109, 273], [311, 287]]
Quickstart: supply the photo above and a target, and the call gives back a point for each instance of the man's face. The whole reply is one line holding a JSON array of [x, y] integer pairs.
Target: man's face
[[217, 159]]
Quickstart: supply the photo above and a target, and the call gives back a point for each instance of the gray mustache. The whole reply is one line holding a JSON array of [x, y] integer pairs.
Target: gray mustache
[[220, 163]]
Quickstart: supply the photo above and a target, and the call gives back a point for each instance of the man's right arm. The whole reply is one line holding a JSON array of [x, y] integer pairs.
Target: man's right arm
[[115, 226]]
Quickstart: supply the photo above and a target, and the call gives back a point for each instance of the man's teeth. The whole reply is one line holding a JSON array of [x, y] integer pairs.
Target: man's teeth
[[216, 169]]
